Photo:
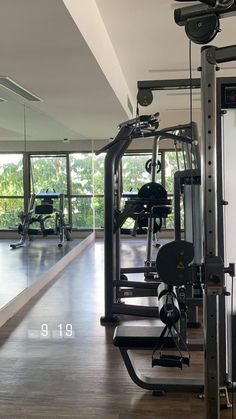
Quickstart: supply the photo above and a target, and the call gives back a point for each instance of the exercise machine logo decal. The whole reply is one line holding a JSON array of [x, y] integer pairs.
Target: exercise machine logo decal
[[180, 265]]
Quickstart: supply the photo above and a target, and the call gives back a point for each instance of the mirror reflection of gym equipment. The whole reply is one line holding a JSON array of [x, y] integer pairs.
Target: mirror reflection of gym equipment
[[34, 221]]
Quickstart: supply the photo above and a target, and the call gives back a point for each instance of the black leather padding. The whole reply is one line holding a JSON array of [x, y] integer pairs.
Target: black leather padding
[[140, 337], [44, 209]]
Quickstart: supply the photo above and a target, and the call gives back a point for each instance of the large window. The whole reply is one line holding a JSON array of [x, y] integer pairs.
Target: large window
[[11, 189], [82, 185], [134, 174], [172, 165], [99, 190], [80, 176]]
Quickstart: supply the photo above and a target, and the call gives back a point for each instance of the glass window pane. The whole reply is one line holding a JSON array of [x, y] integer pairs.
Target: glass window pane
[[10, 208], [81, 171], [82, 212], [134, 174], [99, 212], [99, 174], [66, 210], [48, 172], [169, 221], [171, 167], [11, 174]]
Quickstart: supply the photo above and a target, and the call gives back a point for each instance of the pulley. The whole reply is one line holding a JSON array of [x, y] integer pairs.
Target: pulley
[[149, 165], [144, 97], [202, 29]]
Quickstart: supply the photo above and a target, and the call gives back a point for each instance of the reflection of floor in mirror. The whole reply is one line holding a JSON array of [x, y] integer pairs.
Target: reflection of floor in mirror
[[56, 361], [19, 268]]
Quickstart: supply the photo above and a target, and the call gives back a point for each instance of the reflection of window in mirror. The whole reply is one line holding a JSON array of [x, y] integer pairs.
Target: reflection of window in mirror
[[11, 189]]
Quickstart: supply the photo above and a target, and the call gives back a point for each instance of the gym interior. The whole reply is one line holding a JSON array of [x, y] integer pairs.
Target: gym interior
[[117, 232]]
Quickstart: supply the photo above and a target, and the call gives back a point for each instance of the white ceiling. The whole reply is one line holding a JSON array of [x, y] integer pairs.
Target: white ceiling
[[84, 59]]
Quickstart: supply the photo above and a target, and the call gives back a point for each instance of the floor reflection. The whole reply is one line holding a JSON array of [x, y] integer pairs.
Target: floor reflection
[[19, 268]]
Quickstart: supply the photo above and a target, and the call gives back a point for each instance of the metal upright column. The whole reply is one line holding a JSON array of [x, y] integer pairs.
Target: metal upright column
[[113, 157], [213, 265], [155, 150], [209, 207]]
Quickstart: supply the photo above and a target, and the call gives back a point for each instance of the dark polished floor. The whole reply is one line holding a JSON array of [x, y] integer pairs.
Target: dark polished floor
[[19, 268], [82, 376]]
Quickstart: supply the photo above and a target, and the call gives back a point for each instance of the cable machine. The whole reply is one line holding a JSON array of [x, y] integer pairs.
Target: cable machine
[[201, 25], [151, 202]]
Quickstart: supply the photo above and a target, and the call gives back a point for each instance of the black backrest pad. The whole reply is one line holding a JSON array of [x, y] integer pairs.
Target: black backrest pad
[[44, 209], [153, 191]]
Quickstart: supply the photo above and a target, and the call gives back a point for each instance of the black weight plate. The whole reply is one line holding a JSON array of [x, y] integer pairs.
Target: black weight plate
[[172, 262], [153, 191]]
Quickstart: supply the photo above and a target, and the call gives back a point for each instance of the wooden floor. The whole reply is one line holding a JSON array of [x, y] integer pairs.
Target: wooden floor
[[81, 376]]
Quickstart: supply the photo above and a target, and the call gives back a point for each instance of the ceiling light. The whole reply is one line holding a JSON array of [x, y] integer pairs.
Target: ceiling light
[[2, 100], [19, 90]]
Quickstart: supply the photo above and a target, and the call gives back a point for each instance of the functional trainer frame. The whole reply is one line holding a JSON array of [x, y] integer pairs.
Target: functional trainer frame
[[113, 271]]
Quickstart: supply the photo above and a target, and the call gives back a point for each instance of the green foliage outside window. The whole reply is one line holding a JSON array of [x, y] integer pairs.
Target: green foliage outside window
[[82, 183], [82, 212], [11, 174], [99, 174], [48, 172], [134, 174], [10, 208], [99, 212], [98, 201], [81, 172], [171, 166], [11, 184]]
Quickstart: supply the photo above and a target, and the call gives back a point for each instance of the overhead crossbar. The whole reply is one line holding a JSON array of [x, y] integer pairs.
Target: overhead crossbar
[[185, 13], [172, 84]]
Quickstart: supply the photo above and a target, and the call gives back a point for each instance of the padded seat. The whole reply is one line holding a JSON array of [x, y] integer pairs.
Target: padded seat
[[44, 209], [137, 337]]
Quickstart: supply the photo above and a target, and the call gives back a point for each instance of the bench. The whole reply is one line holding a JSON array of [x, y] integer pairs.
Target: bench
[[128, 338]]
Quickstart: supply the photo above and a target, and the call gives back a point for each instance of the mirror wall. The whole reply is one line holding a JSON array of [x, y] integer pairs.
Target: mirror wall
[[38, 154]]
